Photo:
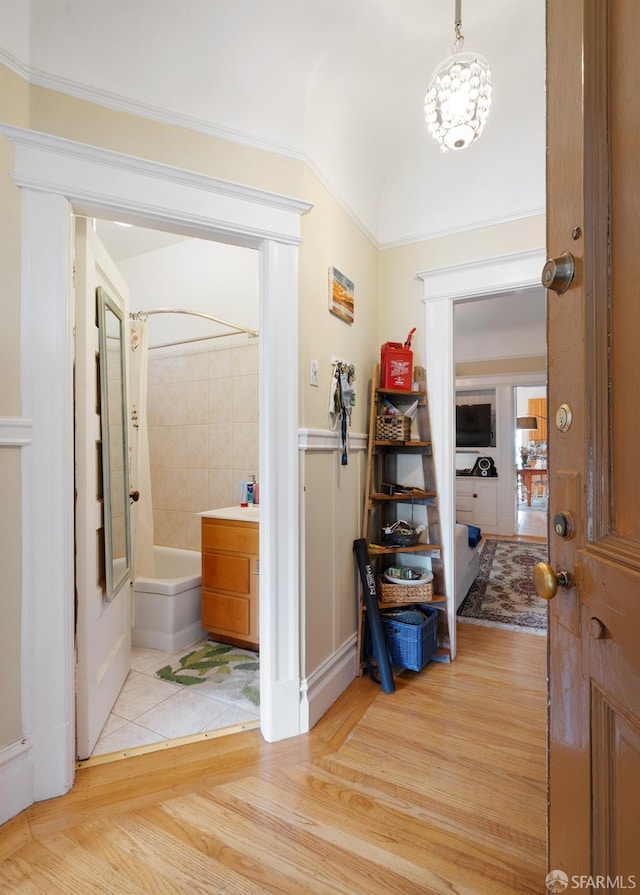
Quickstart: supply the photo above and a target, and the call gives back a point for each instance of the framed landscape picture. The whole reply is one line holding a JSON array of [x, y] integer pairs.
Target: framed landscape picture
[[341, 291]]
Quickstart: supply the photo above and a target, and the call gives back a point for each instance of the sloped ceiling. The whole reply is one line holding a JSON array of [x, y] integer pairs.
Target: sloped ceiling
[[340, 83]]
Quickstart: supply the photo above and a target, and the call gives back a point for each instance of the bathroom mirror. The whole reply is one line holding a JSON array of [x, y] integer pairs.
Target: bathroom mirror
[[115, 449]]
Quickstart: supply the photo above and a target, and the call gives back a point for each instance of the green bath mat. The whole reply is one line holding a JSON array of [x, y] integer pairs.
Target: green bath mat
[[220, 670]]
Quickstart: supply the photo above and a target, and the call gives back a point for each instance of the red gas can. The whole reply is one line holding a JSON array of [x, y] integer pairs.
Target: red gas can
[[396, 365]]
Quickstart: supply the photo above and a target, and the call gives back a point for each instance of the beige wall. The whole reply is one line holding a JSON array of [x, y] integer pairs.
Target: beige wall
[[14, 110], [502, 365], [331, 239], [401, 305], [334, 495], [74, 119]]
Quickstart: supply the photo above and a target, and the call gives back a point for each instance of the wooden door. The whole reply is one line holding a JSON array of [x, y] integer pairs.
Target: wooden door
[[103, 628], [593, 207]]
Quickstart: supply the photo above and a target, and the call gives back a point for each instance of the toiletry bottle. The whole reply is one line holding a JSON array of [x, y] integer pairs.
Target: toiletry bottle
[[250, 490], [256, 494], [243, 494]]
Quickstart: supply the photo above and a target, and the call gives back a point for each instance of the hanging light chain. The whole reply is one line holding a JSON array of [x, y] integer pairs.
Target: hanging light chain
[[458, 22]]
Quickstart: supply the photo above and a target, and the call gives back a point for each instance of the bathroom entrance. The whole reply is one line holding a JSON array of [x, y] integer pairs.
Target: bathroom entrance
[[193, 433]]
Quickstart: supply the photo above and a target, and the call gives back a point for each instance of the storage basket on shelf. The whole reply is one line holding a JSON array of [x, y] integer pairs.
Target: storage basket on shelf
[[401, 534], [393, 428], [411, 636], [416, 592]]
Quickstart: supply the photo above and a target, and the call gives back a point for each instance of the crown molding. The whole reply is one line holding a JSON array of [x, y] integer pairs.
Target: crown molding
[[335, 194], [13, 64], [453, 231], [118, 103]]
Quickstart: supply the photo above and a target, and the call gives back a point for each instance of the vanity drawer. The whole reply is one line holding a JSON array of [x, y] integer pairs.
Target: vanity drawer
[[227, 571], [237, 537], [225, 612]]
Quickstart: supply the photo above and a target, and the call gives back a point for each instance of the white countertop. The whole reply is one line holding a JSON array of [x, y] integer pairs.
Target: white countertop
[[235, 513]]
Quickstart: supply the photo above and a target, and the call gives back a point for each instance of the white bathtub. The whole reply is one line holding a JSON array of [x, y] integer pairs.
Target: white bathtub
[[167, 608]]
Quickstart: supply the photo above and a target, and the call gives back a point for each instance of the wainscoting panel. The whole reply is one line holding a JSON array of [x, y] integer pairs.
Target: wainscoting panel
[[332, 500]]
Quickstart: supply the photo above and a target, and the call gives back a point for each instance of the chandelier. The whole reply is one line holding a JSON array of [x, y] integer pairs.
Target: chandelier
[[459, 95]]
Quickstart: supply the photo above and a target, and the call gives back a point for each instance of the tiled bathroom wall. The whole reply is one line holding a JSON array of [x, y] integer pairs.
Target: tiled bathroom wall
[[203, 433]]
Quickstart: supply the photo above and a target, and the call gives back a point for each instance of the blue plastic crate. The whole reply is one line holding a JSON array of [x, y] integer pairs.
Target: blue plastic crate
[[411, 636]]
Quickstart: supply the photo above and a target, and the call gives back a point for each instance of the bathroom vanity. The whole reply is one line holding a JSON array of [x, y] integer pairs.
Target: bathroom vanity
[[230, 575]]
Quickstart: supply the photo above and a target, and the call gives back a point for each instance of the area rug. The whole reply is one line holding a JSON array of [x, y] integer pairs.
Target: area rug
[[222, 671], [503, 596]]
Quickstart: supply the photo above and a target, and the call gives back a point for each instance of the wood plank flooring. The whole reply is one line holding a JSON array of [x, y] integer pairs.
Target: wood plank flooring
[[437, 788]]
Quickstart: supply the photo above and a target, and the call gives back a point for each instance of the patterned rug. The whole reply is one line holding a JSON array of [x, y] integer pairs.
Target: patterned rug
[[502, 596], [223, 671]]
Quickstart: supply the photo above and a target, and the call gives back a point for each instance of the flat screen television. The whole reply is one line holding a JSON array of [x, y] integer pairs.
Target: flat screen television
[[473, 425]]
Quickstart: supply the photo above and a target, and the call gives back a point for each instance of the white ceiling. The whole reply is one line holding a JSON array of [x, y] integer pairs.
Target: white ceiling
[[339, 83]]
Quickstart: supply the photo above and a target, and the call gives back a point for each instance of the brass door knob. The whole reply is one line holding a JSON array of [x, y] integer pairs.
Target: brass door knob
[[546, 582]]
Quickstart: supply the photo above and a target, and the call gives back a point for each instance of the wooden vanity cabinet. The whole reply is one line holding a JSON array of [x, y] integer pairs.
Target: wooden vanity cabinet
[[230, 566]]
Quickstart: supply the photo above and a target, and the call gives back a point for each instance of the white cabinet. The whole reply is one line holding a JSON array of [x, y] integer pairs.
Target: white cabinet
[[477, 502]]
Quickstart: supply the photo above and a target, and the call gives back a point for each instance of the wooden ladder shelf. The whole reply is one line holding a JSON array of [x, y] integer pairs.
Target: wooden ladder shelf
[[388, 458]]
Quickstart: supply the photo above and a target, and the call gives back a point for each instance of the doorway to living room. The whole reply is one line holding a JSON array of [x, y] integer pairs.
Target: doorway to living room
[[532, 492]]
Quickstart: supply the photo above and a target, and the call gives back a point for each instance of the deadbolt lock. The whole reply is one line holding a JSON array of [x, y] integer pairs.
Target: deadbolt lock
[[563, 525], [557, 273], [564, 418]]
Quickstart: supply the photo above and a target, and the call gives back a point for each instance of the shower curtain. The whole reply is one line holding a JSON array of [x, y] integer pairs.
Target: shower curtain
[[142, 511]]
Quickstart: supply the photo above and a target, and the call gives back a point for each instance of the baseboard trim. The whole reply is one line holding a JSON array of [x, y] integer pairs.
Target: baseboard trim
[[16, 779], [321, 689]]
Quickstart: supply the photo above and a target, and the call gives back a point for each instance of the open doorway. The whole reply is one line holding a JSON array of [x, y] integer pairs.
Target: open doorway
[[198, 406], [75, 177], [532, 494]]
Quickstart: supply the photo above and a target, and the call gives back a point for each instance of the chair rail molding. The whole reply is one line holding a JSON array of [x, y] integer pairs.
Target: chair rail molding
[[58, 178], [15, 431], [329, 440], [442, 288]]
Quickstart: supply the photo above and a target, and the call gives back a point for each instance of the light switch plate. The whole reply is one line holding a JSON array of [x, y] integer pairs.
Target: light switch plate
[[314, 373]]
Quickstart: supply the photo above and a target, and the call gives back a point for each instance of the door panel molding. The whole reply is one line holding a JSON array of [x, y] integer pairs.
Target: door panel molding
[[597, 270]]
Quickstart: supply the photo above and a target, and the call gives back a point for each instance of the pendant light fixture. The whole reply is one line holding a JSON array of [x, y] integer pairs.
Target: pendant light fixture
[[459, 95]]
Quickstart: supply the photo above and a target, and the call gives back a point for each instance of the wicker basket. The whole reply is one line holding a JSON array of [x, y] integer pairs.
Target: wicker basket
[[411, 638], [404, 593], [395, 428]]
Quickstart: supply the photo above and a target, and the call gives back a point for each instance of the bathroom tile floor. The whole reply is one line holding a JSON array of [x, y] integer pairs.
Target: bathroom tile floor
[[149, 710]]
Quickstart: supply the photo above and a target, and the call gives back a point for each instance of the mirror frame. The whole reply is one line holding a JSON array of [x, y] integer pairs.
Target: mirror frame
[[113, 583]]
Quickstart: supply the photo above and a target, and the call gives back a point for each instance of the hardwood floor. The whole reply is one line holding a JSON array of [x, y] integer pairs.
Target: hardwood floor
[[437, 788], [532, 521]]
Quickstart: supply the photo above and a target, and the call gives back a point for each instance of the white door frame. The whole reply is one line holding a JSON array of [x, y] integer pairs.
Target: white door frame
[[59, 177], [442, 288]]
